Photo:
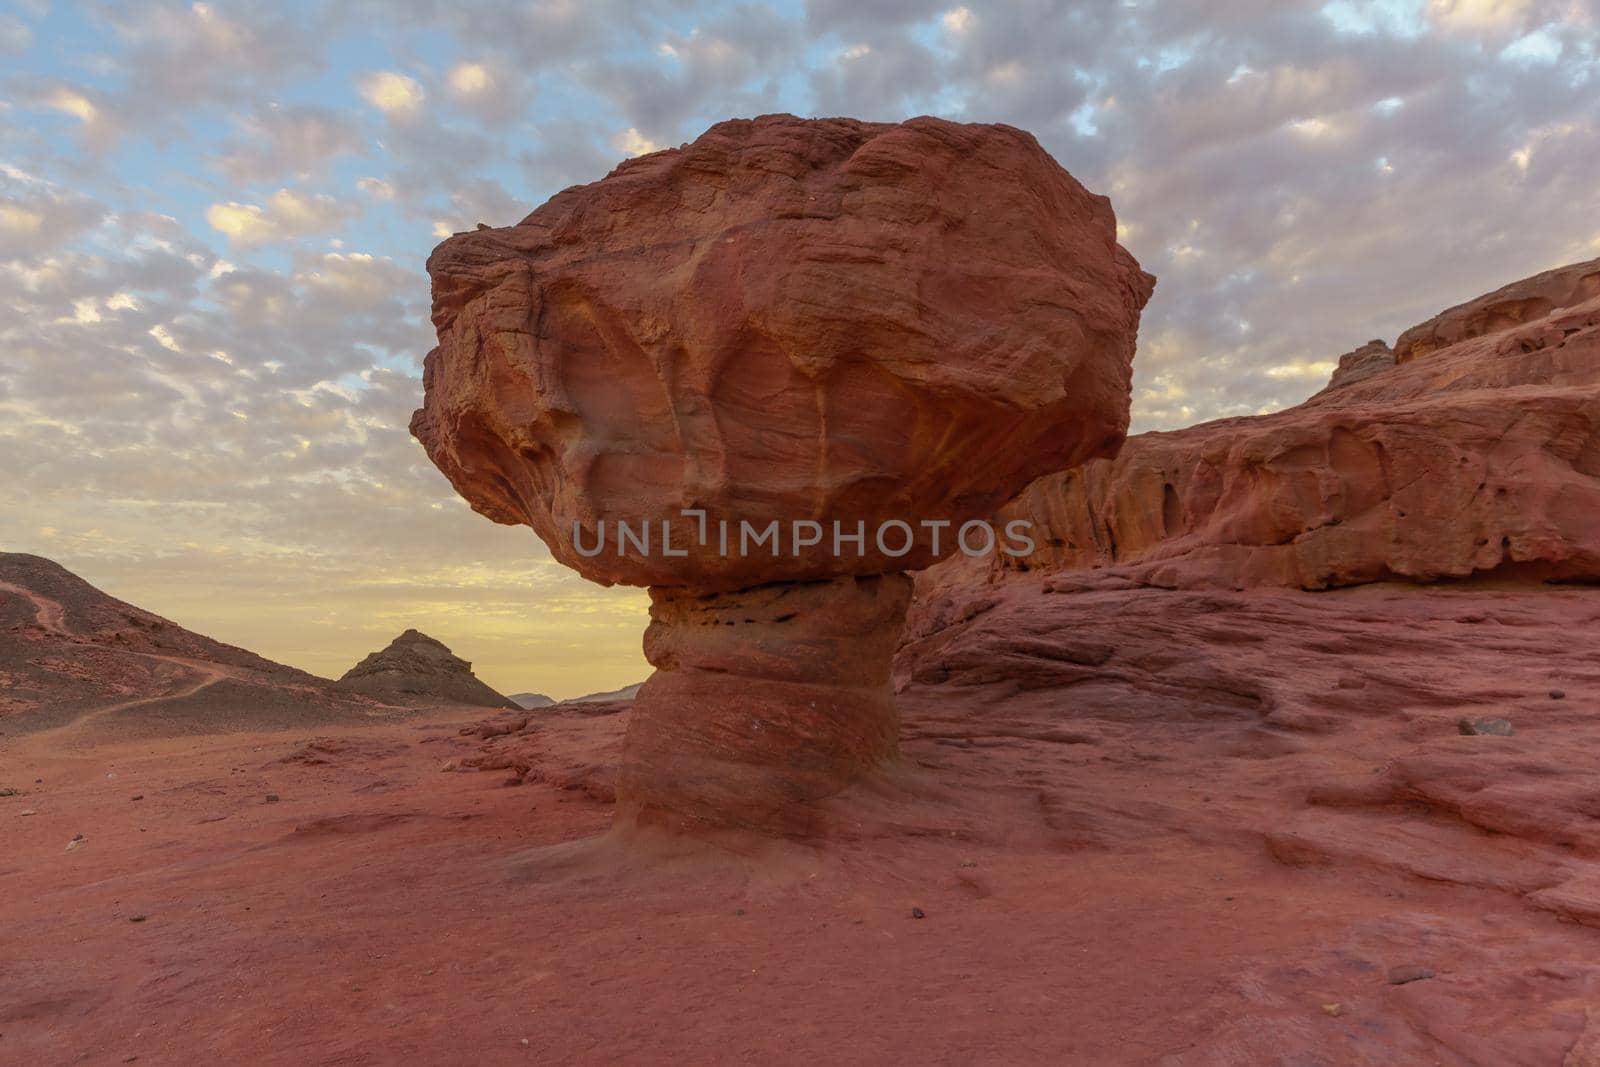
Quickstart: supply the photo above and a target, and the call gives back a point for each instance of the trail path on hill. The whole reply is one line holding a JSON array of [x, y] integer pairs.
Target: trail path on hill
[[51, 616], [210, 674]]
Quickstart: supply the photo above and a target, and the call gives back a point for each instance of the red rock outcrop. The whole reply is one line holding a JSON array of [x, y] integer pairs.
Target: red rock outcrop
[[1483, 457], [764, 701], [1511, 305], [1360, 364], [784, 320], [785, 323]]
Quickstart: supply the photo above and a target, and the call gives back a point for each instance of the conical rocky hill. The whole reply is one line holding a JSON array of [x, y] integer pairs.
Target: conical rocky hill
[[416, 668]]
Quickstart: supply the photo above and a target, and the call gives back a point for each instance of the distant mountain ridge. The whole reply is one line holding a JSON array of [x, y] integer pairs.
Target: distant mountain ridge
[[627, 692], [534, 701]]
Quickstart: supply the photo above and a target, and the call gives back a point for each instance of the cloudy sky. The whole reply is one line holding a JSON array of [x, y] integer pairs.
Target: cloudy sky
[[213, 220]]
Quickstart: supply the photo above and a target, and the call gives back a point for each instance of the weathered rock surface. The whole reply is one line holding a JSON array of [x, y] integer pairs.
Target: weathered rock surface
[[1360, 364], [1256, 803], [1482, 458], [1511, 305], [417, 668], [811, 707], [70, 653], [1325, 728], [788, 321]]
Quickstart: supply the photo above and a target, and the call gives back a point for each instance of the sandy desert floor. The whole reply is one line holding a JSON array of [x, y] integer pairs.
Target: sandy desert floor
[[1189, 829]]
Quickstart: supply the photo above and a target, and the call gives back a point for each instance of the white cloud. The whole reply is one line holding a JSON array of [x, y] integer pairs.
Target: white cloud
[[376, 188], [20, 221], [1311, 128], [164, 337], [958, 20], [1479, 15], [396, 95], [1303, 370], [15, 36], [37, 216], [470, 79], [489, 90], [85, 312], [633, 143], [285, 215], [72, 102], [358, 279], [1008, 73], [17, 174], [287, 140]]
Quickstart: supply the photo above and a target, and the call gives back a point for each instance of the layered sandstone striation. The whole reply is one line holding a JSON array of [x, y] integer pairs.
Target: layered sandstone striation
[[784, 320], [787, 321], [764, 701], [1481, 457]]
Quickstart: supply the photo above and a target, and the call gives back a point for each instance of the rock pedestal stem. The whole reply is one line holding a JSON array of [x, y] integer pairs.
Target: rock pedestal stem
[[763, 702]]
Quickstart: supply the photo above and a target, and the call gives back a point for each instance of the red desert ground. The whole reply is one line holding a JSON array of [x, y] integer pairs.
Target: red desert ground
[[1279, 747]]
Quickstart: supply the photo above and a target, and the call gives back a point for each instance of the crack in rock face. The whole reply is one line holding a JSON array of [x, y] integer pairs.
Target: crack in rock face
[[815, 321]]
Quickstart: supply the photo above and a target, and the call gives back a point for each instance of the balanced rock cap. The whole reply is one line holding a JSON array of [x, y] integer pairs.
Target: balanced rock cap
[[788, 319]]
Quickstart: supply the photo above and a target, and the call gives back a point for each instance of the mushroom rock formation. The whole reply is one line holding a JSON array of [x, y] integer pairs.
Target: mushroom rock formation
[[1483, 457], [788, 322]]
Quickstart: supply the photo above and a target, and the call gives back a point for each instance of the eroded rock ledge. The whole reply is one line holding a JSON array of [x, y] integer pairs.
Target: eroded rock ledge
[[1482, 458]]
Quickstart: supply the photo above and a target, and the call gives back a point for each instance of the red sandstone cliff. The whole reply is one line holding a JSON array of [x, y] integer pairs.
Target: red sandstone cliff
[[1479, 452]]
